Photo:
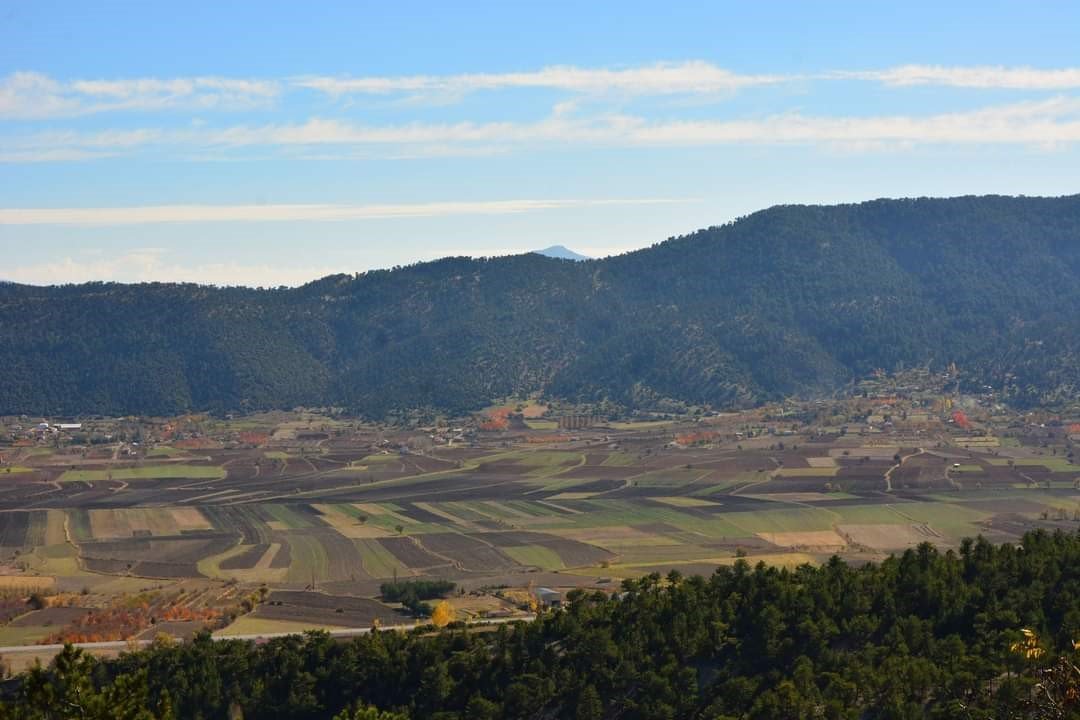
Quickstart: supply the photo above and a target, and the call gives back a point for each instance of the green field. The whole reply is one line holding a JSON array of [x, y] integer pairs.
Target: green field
[[619, 459], [794, 520], [148, 472], [951, 519], [807, 472], [542, 424], [287, 516], [164, 451], [1053, 464], [378, 561], [28, 635], [868, 515], [248, 625], [308, 560]]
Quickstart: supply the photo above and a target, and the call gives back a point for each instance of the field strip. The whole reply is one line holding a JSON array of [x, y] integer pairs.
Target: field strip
[[246, 497], [268, 557], [211, 566], [431, 508], [467, 466], [558, 507], [227, 491]]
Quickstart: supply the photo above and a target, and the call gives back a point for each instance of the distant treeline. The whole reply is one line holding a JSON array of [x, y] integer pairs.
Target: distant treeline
[[790, 300], [985, 632]]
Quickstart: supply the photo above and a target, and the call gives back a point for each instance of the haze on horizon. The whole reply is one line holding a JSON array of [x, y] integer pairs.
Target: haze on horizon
[[142, 143]]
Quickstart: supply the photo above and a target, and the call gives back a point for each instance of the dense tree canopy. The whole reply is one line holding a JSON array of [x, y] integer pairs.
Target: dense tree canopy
[[794, 299], [986, 632]]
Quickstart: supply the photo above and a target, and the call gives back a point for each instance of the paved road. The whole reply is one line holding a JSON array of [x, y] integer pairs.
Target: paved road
[[339, 633]]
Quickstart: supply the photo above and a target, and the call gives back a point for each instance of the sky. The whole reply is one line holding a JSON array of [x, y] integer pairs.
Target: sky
[[271, 143]]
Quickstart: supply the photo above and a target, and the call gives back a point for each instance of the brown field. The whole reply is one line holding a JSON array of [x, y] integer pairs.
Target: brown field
[[410, 553], [26, 583], [825, 540], [465, 552], [324, 609], [886, 537], [49, 617]]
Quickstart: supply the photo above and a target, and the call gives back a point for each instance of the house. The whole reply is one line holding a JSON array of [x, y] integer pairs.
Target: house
[[548, 598]]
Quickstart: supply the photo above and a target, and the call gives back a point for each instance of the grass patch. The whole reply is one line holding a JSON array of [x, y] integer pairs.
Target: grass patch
[[164, 451], [149, 472], [542, 424], [12, 469], [380, 458]]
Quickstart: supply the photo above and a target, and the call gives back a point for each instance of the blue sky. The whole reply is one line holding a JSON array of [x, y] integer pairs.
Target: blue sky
[[270, 143]]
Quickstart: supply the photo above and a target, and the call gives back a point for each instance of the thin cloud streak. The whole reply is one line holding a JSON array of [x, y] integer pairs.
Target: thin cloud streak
[[693, 77], [983, 77], [32, 95], [1045, 124], [170, 214], [26, 95]]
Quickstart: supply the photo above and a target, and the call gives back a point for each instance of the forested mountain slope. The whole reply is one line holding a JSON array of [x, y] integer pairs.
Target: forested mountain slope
[[793, 299]]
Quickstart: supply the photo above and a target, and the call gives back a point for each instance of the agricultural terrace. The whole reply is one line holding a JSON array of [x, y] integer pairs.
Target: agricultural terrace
[[289, 520]]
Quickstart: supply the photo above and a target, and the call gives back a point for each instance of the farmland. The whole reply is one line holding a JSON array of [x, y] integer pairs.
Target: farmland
[[313, 513]]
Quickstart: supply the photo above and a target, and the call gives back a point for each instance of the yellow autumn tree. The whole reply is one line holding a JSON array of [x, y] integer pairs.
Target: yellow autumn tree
[[443, 614]]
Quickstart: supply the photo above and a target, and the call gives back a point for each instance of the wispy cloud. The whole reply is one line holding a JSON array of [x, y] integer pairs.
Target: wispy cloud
[[1040, 123], [158, 214], [693, 77], [31, 95], [1044, 123], [985, 76]]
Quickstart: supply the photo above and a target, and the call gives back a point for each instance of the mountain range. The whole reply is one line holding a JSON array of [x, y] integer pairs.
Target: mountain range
[[789, 300]]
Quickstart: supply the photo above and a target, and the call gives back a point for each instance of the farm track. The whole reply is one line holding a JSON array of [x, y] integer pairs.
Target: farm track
[[897, 466]]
